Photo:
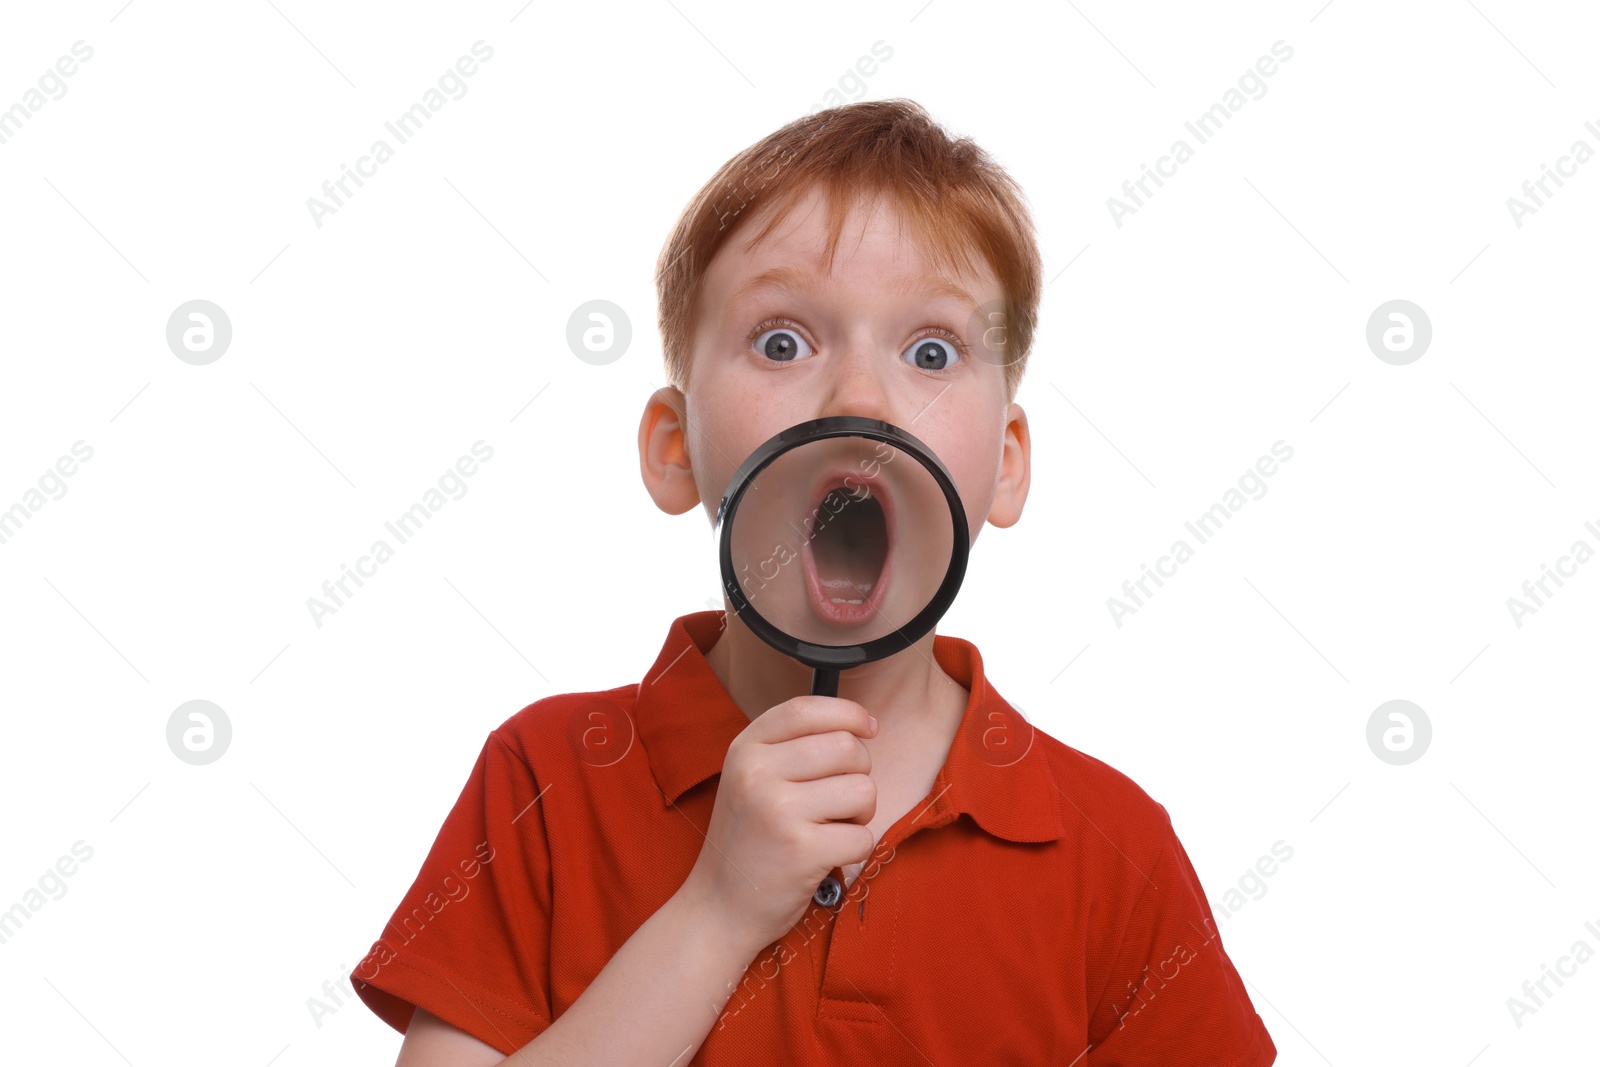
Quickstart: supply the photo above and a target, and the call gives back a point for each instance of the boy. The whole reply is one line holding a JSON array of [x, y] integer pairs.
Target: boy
[[703, 867]]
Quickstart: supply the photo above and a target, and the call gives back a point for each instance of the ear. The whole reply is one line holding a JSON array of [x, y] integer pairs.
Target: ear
[[663, 457], [1011, 488]]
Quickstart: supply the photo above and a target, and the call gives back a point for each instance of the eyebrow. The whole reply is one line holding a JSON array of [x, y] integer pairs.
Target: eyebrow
[[796, 281]]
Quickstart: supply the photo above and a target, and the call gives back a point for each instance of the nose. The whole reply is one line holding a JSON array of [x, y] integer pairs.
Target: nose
[[858, 386]]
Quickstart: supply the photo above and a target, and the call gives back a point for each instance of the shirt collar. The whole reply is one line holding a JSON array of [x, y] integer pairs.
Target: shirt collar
[[997, 770]]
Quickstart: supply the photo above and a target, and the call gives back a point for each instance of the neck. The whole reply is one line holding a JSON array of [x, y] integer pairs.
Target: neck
[[904, 689]]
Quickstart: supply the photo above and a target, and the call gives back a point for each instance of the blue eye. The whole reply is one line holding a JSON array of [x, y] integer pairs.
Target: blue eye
[[782, 345], [931, 353]]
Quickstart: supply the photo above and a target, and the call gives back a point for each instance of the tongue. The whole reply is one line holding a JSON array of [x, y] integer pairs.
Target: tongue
[[850, 549]]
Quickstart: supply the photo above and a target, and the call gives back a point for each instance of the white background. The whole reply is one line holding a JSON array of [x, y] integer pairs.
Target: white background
[[430, 312]]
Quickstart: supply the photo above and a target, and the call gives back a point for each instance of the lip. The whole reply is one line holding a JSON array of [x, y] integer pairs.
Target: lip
[[821, 605]]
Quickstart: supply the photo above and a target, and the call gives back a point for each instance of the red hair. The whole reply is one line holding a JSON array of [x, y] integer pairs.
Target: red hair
[[961, 206]]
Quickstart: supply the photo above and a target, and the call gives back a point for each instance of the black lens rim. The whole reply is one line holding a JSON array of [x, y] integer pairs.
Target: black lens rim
[[839, 657]]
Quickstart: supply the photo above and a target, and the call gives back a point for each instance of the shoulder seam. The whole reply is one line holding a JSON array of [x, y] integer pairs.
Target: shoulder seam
[[497, 738]]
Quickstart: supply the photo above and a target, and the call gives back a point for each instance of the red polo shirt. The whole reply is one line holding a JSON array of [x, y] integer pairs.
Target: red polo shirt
[[1036, 908]]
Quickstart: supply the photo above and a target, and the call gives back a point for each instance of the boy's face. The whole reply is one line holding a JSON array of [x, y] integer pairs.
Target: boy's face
[[857, 342]]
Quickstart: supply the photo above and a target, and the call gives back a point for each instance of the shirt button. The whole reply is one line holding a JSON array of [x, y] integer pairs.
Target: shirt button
[[829, 892]]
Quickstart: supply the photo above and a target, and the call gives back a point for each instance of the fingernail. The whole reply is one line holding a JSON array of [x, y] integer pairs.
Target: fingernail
[[874, 719]]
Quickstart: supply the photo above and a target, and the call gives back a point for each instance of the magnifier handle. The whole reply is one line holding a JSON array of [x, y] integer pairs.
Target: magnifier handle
[[825, 683]]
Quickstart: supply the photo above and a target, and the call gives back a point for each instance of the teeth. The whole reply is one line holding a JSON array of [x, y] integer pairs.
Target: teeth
[[843, 584]]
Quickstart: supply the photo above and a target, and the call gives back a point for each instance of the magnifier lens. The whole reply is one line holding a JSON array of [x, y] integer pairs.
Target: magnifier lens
[[841, 540]]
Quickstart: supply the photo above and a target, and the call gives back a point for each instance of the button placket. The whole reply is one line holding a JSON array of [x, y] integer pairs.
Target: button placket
[[858, 971]]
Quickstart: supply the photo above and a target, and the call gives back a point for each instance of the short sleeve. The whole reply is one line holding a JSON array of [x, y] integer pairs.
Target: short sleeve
[[470, 940], [1172, 996]]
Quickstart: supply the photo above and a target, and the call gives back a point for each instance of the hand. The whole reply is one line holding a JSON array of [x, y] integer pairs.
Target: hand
[[794, 800]]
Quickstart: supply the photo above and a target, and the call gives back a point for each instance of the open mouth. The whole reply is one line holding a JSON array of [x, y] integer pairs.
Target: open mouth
[[846, 551]]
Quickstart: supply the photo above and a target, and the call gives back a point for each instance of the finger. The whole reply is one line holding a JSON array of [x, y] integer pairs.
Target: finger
[[841, 798], [804, 759], [845, 843], [804, 715]]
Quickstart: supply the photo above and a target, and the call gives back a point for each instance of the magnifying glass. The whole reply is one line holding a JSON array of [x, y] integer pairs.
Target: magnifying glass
[[843, 541]]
